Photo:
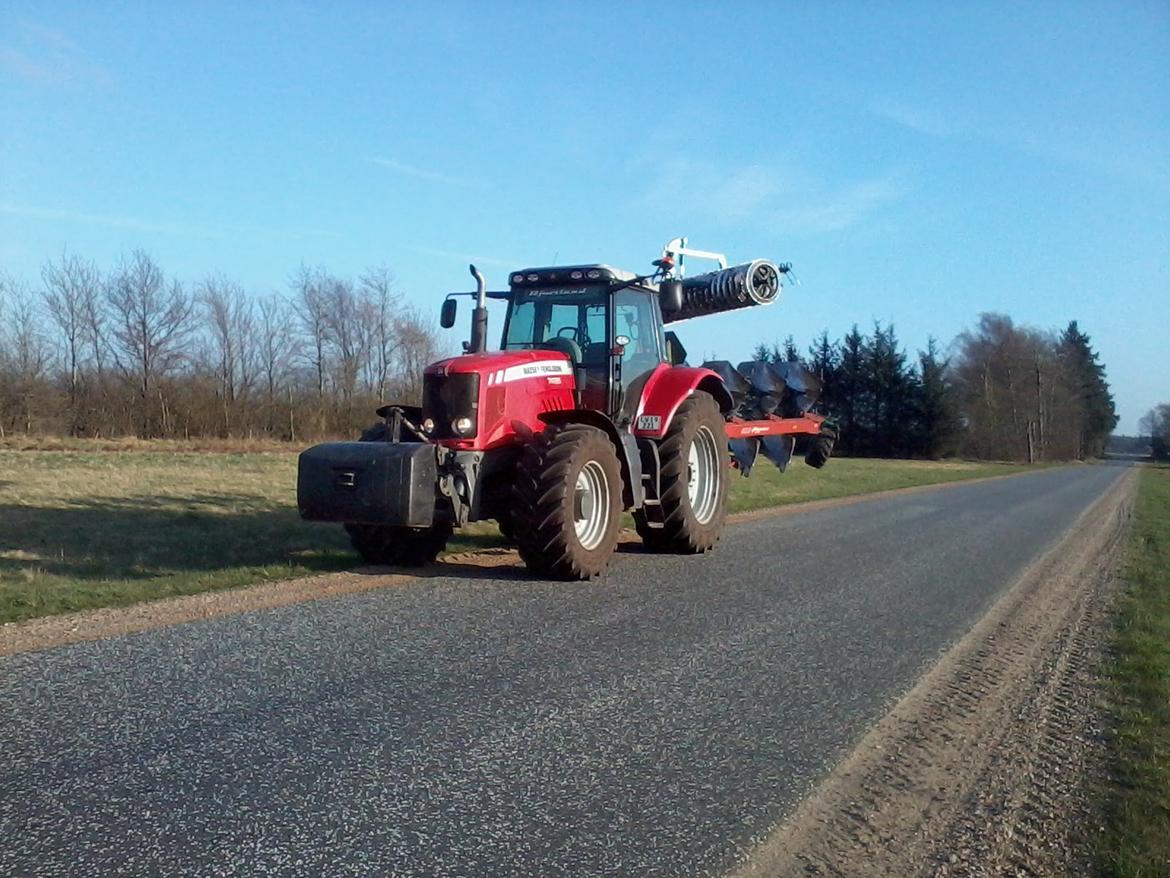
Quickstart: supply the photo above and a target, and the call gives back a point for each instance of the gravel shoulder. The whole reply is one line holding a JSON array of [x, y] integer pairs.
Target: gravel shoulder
[[986, 766]]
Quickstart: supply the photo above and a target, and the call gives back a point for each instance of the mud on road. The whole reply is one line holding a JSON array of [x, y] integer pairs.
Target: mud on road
[[985, 768]]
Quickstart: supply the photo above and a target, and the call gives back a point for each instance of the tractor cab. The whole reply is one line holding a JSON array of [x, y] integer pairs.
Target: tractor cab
[[608, 323]]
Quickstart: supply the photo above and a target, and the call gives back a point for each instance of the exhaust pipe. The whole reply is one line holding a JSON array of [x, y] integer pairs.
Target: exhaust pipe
[[479, 315]]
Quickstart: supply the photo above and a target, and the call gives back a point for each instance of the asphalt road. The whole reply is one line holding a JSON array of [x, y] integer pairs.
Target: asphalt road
[[655, 722]]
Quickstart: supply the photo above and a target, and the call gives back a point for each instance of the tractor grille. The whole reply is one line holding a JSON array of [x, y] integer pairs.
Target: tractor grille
[[447, 397]]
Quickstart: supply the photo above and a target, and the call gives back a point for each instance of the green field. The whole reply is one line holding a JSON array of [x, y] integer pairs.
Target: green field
[[1137, 844], [82, 529]]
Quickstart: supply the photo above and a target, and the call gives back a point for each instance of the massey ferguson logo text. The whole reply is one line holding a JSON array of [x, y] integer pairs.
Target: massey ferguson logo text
[[554, 368]]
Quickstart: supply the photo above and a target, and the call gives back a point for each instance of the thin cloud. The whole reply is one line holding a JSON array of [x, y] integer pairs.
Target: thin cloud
[[423, 174], [134, 224], [917, 119], [49, 56], [837, 210], [784, 200], [1135, 162], [137, 224]]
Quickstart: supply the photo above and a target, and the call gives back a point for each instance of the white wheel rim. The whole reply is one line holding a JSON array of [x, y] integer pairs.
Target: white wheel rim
[[703, 475], [591, 505]]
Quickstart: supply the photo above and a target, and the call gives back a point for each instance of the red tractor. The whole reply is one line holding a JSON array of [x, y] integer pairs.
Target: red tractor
[[587, 410]]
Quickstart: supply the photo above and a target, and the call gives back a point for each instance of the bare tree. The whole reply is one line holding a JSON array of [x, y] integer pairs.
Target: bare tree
[[71, 293], [26, 353], [311, 305], [1018, 399], [150, 325], [129, 350], [230, 317], [418, 347], [277, 349], [344, 330], [379, 307]]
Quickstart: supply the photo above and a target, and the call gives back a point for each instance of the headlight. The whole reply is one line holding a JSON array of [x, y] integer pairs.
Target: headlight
[[463, 426], [428, 425]]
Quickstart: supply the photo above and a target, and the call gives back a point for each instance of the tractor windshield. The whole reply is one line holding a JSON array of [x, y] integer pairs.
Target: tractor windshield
[[577, 314]]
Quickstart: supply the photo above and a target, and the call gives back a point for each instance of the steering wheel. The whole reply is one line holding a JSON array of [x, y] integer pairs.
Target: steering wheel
[[566, 346]]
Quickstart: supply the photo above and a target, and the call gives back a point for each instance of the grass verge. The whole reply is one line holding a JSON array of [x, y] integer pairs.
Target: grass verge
[[84, 527], [1137, 841]]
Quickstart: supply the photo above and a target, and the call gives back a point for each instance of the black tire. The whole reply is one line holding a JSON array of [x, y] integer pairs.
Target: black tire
[[557, 534], [819, 452], [402, 546], [690, 529]]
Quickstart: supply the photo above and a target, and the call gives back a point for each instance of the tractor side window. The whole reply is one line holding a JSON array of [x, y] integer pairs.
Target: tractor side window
[[637, 323], [636, 317]]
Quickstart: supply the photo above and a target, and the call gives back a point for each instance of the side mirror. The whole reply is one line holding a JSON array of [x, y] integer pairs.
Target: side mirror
[[447, 313], [676, 354], [670, 296]]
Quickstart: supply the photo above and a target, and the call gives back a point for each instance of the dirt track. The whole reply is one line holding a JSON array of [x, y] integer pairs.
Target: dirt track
[[985, 767]]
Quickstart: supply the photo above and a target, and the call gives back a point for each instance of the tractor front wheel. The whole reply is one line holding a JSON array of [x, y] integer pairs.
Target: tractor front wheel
[[693, 480], [567, 502], [402, 546]]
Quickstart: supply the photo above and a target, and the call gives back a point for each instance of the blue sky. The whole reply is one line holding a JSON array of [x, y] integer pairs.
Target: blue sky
[[917, 163]]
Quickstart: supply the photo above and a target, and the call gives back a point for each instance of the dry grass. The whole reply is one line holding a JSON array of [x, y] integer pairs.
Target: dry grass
[[90, 524]]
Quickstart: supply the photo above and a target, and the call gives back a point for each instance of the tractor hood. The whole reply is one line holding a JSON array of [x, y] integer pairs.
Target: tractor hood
[[477, 402], [513, 365]]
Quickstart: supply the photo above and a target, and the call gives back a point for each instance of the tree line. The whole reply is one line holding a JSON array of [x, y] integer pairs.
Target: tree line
[[134, 351], [1002, 392], [1155, 425]]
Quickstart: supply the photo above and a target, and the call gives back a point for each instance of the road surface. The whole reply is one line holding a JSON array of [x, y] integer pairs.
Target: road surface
[[659, 721]]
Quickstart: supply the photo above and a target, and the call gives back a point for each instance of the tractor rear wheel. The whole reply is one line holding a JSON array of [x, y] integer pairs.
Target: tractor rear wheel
[[403, 546], [693, 480], [567, 502]]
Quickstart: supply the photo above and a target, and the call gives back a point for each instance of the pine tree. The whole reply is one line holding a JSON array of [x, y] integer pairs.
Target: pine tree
[[852, 394], [891, 393], [824, 362], [791, 354], [937, 421], [1098, 415]]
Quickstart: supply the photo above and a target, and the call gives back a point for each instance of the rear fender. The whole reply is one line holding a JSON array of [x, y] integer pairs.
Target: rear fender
[[623, 443], [665, 392]]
